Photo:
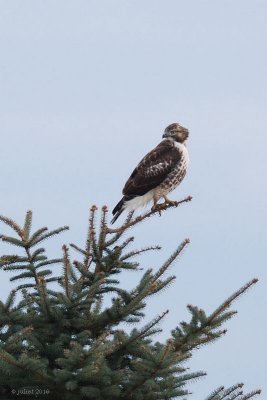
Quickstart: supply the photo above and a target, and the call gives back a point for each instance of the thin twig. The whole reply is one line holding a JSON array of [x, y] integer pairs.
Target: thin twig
[[147, 215]]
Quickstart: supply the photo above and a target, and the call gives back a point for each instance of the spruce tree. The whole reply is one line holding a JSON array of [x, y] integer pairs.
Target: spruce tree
[[65, 341]]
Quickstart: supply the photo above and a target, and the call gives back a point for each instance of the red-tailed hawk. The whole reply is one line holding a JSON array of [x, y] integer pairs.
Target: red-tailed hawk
[[157, 174]]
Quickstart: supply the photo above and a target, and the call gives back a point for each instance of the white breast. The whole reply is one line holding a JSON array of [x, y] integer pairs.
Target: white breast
[[184, 152]]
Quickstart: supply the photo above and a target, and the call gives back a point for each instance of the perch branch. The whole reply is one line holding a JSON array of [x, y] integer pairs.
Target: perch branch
[[146, 215]]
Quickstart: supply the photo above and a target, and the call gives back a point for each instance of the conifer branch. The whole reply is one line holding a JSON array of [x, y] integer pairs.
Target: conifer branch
[[92, 231], [158, 364], [93, 241], [230, 390], [171, 259], [80, 250], [251, 394], [9, 260], [27, 225], [18, 365], [215, 393], [66, 269], [44, 298], [144, 332], [228, 302], [37, 235], [125, 243], [88, 245], [12, 224], [103, 228], [7, 358], [49, 262], [16, 337], [12, 241], [199, 334], [118, 234], [48, 235], [10, 300], [235, 395], [232, 393], [138, 252]]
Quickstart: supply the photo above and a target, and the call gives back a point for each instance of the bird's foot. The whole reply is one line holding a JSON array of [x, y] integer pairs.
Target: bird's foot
[[157, 208], [169, 202], [163, 206]]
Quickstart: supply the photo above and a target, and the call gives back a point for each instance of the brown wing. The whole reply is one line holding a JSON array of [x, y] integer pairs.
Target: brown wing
[[152, 169]]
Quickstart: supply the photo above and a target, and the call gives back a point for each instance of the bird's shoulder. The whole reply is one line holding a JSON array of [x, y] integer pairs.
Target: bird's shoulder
[[166, 149]]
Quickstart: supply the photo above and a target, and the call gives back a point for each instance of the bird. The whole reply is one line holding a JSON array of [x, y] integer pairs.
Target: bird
[[157, 174]]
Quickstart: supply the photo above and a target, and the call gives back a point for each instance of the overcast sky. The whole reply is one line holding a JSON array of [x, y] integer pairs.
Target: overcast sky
[[87, 88]]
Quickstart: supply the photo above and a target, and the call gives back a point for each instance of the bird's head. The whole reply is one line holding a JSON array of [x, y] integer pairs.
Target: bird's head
[[176, 132]]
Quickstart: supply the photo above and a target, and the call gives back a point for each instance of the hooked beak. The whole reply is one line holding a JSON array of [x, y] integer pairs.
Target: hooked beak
[[164, 135], [186, 133]]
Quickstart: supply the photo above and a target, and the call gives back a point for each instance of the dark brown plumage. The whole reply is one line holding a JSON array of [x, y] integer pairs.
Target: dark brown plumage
[[152, 169]]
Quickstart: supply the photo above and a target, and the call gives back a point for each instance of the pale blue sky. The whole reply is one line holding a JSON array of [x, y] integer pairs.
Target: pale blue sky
[[87, 87]]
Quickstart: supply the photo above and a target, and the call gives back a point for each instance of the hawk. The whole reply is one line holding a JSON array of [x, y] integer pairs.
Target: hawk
[[157, 174]]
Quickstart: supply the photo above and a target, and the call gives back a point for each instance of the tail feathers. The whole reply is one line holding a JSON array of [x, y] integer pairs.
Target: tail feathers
[[116, 216], [117, 210]]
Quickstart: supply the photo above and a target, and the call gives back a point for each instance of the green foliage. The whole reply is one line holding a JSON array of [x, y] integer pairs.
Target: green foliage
[[69, 341]]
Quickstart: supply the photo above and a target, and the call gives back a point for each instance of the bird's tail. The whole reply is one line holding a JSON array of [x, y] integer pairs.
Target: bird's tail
[[118, 210]]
